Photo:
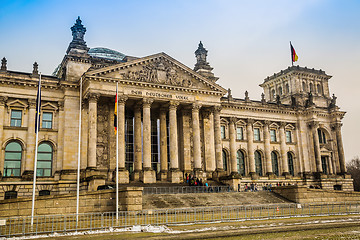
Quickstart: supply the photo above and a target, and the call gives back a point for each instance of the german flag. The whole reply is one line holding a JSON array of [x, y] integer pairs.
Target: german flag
[[115, 111], [294, 57]]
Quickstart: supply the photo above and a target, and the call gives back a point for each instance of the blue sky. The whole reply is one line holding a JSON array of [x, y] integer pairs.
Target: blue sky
[[246, 40]]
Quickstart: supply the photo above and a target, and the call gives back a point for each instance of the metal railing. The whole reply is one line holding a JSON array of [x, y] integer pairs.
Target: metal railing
[[186, 189], [20, 226]]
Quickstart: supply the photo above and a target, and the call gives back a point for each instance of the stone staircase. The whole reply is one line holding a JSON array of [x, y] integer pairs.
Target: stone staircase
[[157, 201]]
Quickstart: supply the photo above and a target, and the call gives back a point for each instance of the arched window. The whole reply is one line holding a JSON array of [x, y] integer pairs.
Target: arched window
[[12, 164], [45, 157], [290, 163], [319, 88], [258, 164], [273, 95], [287, 89], [224, 157], [322, 136], [304, 86], [280, 91], [274, 162], [240, 162], [311, 87]]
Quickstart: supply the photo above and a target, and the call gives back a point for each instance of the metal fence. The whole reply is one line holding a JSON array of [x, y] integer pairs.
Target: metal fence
[[20, 226], [187, 189]]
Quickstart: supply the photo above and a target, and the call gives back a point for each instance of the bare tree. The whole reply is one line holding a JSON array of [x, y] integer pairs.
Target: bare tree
[[353, 167]]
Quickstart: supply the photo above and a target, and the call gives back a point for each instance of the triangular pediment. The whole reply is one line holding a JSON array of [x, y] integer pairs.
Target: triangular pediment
[[159, 70]]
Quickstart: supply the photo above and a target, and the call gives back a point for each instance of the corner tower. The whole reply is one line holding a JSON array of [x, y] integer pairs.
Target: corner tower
[[298, 85], [202, 66]]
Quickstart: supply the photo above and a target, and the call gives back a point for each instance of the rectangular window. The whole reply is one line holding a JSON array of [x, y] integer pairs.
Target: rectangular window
[[16, 118], [272, 135], [257, 134], [288, 137], [239, 133], [47, 119], [222, 132]]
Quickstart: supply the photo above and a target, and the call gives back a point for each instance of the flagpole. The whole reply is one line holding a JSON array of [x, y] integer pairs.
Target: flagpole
[[291, 55], [117, 155], [78, 162], [37, 126]]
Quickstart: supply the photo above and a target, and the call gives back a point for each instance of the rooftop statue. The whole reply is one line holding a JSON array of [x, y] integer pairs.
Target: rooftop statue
[[78, 31]]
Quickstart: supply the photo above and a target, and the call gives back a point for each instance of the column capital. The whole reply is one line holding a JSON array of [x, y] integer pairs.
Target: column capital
[[336, 125], [282, 124], [217, 109], [122, 99], [3, 100], [233, 120], [314, 124], [267, 122], [250, 121], [32, 103], [94, 97], [173, 105], [147, 102], [61, 105], [196, 106]]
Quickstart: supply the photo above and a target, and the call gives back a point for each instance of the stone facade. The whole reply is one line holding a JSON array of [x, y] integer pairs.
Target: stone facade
[[172, 120]]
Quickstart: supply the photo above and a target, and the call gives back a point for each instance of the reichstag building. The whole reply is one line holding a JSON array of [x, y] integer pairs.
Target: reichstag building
[[173, 120]]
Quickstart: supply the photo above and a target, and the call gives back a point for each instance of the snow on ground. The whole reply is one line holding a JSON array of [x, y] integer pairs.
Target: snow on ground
[[166, 229]]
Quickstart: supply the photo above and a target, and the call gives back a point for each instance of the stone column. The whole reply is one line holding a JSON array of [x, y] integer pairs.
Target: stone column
[[174, 174], [148, 174], [137, 143], [2, 113], [60, 148], [314, 126], [340, 147], [163, 145], [233, 165], [93, 98], [218, 147], [186, 140], [30, 140], [302, 141], [209, 141], [196, 137], [268, 163], [285, 165], [329, 159], [123, 173], [250, 139]]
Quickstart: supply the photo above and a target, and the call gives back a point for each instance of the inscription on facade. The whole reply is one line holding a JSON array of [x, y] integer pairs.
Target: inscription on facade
[[160, 95]]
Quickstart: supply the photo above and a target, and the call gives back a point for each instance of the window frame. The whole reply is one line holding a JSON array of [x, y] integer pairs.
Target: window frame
[[47, 121], [240, 165], [13, 160], [288, 136], [223, 131], [41, 160], [273, 137], [257, 129], [241, 133], [15, 119]]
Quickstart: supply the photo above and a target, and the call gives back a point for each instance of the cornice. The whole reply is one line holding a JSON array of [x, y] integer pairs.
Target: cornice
[[153, 85]]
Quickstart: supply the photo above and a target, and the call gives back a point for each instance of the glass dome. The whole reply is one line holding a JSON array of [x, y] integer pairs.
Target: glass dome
[[106, 53]]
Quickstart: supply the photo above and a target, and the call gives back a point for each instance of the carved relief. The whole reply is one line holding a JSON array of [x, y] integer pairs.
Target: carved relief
[[159, 72]]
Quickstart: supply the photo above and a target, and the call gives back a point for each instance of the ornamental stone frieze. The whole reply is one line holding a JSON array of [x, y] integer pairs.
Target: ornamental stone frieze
[[159, 72]]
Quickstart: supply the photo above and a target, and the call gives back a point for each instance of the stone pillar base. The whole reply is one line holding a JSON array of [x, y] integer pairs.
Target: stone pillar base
[[271, 175], [175, 176], [136, 176], [163, 175], [94, 183], [218, 174], [123, 176], [148, 176], [287, 175], [199, 173], [254, 176]]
